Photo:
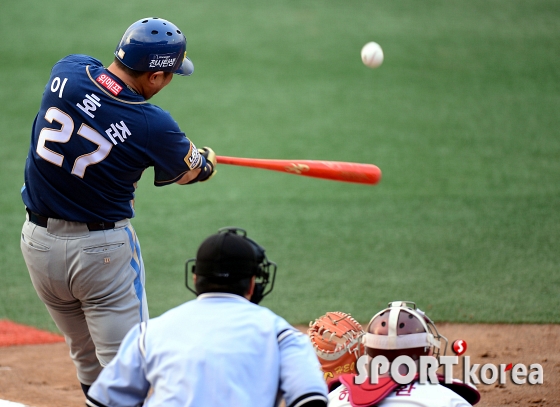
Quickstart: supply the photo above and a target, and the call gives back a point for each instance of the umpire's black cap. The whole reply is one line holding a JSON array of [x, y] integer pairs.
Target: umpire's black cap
[[228, 256]]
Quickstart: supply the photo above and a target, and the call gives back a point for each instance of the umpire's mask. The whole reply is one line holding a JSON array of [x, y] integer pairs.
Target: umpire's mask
[[229, 256]]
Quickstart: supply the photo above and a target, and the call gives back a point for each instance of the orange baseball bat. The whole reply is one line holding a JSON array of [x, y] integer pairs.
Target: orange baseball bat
[[333, 170]]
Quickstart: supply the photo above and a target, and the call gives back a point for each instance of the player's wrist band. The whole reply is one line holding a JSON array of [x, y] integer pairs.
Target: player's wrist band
[[204, 174]]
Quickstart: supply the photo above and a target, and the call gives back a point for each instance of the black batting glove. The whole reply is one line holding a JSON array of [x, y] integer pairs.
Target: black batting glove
[[210, 169]]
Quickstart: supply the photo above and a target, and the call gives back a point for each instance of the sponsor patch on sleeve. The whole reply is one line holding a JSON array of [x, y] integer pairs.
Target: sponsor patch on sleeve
[[193, 158], [109, 83]]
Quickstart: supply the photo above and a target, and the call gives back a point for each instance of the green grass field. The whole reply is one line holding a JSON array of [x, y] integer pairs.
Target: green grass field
[[463, 118]]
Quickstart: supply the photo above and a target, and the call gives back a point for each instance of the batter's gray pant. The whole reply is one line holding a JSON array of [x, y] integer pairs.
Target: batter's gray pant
[[92, 284]]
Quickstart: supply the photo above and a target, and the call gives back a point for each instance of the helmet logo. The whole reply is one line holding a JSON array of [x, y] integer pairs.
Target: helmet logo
[[162, 60], [121, 53]]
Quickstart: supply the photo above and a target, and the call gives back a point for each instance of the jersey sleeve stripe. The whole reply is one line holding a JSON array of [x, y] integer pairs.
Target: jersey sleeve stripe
[[142, 339], [93, 403], [308, 398], [284, 334], [157, 183]]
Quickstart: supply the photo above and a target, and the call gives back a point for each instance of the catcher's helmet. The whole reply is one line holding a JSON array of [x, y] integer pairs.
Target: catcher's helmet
[[154, 44], [230, 256], [402, 329]]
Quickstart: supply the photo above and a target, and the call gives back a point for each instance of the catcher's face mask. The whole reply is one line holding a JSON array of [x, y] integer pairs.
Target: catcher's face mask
[[229, 256]]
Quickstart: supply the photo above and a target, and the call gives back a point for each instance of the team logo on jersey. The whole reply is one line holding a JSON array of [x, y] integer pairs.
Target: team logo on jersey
[[193, 158], [109, 83], [162, 60]]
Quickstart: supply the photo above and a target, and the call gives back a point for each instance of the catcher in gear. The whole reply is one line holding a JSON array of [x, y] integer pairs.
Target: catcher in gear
[[336, 338], [400, 329], [221, 349]]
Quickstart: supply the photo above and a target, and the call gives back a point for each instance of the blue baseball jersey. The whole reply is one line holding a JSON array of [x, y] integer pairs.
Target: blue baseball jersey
[[217, 350], [92, 139]]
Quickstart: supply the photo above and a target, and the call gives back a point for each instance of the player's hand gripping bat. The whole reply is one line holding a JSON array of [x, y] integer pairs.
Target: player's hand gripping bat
[[333, 170]]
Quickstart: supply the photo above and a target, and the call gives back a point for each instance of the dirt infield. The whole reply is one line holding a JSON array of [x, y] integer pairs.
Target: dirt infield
[[44, 376]]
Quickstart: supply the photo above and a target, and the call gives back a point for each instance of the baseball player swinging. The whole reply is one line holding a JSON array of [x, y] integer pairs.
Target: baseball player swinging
[[400, 329], [94, 135]]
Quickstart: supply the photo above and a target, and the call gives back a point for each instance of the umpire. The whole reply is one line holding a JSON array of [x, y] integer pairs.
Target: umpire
[[221, 349]]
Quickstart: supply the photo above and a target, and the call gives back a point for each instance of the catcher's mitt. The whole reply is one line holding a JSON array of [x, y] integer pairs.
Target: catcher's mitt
[[336, 338]]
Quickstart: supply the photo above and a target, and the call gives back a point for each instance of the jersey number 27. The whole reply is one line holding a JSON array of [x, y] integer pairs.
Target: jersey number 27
[[63, 135]]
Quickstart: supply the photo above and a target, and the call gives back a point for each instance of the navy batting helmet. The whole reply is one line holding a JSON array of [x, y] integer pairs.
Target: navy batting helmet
[[154, 44]]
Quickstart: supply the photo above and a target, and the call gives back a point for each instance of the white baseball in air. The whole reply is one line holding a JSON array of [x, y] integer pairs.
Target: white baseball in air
[[372, 55]]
